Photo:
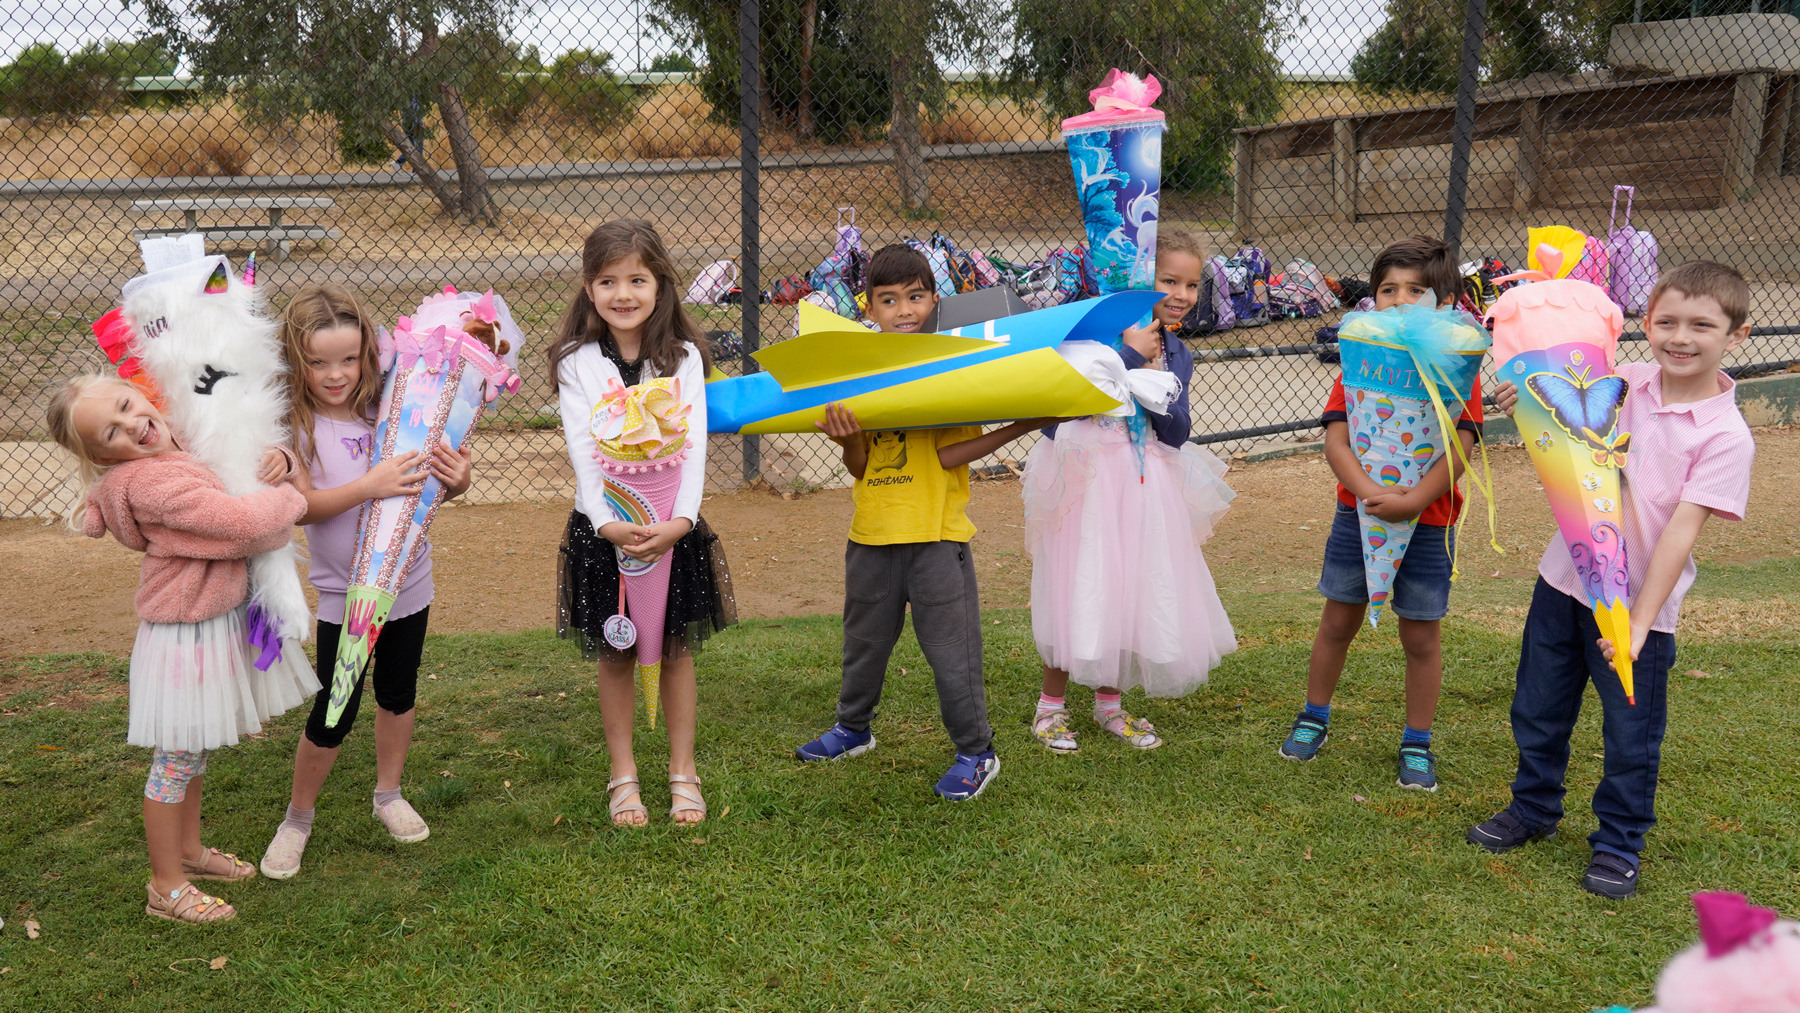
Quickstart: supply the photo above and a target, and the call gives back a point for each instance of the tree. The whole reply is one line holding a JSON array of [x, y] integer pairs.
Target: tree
[[41, 82], [833, 68], [372, 66], [1417, 50], [1215, 60], [822, 83], [1420, 46]]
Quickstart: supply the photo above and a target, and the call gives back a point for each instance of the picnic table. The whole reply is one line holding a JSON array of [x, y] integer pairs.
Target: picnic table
[[276, 238]]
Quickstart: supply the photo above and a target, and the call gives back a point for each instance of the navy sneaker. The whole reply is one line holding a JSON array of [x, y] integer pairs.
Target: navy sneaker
[[1305, 738], [968, 777], [838, 744], [1418, 768], [1610, 876], [1505, 832]]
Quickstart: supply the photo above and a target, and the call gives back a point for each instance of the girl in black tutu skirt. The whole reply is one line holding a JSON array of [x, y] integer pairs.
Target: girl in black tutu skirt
[[626, 327]]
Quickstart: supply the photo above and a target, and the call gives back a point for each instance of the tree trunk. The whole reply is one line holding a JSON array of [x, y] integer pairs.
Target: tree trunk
[[477, 205], [904, 135], [809, 16], [416, 158]]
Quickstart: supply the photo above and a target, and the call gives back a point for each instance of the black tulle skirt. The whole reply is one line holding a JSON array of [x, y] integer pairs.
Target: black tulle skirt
[[700, 599]]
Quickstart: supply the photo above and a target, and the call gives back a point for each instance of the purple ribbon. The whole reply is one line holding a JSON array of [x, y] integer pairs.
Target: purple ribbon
[[264, 635]]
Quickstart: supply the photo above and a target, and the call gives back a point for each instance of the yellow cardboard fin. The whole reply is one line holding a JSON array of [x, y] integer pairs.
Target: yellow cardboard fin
[[834, 356]]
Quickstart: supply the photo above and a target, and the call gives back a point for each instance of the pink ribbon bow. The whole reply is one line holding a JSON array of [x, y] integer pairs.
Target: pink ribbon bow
[[1728, 921], [1128, 92]]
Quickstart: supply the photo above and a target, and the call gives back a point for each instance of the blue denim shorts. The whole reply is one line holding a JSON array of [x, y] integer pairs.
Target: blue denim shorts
[[1421, 584]]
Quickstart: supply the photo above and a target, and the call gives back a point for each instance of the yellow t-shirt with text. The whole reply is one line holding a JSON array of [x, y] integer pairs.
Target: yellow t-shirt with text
[[905, 495]]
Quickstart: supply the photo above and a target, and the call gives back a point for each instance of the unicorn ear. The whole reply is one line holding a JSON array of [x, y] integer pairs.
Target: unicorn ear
[[219, 281]]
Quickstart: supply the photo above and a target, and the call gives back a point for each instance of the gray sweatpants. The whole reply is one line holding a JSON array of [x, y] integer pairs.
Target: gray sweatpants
[[938, 579]]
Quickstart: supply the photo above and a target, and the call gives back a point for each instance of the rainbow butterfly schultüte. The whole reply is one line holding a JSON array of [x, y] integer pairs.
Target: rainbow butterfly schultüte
[[1588, 410]]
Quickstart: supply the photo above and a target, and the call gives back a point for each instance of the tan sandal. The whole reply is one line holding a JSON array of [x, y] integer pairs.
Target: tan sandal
[[203, 869], [616, 804], [685, 800], [189, 906]]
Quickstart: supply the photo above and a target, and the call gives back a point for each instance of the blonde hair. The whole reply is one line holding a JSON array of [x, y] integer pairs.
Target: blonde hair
[[315, 308], [59, 419]]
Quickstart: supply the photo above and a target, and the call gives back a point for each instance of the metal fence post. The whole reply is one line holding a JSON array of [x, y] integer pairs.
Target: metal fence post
[[750, 182], [1463, 136]]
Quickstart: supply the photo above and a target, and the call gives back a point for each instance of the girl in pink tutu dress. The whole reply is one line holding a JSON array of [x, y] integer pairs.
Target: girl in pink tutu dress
[[1116, 510]]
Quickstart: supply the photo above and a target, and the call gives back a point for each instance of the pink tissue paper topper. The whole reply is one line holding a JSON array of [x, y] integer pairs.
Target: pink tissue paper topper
[[1121, 98]]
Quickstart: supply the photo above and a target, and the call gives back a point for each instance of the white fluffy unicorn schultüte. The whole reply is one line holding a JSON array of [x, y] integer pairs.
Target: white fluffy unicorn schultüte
[[214, 364]]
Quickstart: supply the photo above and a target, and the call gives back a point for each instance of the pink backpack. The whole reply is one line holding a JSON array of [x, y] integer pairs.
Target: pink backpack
[[1632, 253], [1593, 266], [714, 281]]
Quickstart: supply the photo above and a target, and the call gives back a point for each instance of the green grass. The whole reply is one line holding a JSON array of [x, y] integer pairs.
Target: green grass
[[1205, 875]]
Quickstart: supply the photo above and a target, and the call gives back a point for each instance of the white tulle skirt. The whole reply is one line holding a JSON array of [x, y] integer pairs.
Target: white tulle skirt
[[1120, 592], [196, 686]]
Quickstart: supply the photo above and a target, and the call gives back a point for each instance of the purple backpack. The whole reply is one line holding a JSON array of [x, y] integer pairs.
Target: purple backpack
[[1632, 253], [840, 276]]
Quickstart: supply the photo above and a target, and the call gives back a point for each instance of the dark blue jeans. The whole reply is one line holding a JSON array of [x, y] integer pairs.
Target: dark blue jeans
[[1556, 661]]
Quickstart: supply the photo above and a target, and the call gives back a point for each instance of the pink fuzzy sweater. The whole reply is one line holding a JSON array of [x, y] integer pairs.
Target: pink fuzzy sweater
[[193, 535]]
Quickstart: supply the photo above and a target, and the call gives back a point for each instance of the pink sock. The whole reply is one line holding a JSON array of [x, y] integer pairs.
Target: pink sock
[[1048, 703], [1105, 705]]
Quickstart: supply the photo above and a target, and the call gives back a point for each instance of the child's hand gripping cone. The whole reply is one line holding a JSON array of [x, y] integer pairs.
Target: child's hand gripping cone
[[1554, 341]]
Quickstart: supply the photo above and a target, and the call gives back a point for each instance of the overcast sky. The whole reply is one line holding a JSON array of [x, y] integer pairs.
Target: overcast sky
[[1328, 35]]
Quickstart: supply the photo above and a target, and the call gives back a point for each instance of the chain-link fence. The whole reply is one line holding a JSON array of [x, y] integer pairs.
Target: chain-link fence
[[398, 148]]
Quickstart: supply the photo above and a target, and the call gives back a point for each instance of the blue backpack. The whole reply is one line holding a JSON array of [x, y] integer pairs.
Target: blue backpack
[[839, 277]]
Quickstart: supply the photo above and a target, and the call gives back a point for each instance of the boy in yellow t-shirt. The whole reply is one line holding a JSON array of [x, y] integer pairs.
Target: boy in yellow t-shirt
[[909, 543]]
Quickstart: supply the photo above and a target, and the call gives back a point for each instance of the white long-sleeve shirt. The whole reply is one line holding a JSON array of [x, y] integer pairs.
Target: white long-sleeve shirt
[[583, 379]]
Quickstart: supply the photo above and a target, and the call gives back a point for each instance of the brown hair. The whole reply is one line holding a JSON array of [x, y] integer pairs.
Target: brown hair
[[315, 308], [1180, 241], [1427, 255], [898, 264], [1705, 277], [59, 419], [669, 325]]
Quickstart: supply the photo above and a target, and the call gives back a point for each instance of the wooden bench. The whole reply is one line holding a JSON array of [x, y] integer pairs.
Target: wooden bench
[[275, 238]]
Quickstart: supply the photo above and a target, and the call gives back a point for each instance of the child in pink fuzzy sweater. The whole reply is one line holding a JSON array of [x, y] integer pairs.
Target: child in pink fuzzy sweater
[[195, 680]]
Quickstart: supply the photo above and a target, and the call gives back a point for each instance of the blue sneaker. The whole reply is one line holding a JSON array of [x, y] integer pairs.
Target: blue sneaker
[[1418, 768], [1304, 740], [968, 777], [838, 744]]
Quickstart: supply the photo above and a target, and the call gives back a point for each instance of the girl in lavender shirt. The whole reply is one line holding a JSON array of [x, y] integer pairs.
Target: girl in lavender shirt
[[330, 344]]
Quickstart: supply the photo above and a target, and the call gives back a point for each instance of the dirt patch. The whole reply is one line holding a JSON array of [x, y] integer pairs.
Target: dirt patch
[[496, 564], [73, 684]]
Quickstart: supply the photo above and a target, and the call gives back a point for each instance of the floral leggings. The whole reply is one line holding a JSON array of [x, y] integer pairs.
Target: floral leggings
[[170, 772]]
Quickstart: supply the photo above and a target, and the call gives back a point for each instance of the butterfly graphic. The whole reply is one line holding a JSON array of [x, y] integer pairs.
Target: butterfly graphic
[[1544, 443], [1587, 410], [358, 447]]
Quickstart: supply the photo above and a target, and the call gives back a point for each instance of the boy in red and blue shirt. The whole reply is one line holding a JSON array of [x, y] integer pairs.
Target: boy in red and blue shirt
[[1403, 273]]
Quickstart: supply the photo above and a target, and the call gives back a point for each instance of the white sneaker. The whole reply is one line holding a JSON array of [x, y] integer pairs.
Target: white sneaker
[[403, 821], [282, 859]]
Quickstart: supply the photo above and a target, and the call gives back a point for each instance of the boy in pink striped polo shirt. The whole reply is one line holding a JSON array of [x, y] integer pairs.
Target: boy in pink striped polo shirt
[[1689, 460]]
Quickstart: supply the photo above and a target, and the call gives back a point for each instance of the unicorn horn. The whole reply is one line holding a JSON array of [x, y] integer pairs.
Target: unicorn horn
[[250, 270]]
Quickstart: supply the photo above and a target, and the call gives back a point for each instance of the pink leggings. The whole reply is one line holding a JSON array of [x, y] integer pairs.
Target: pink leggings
[[170, 772]]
